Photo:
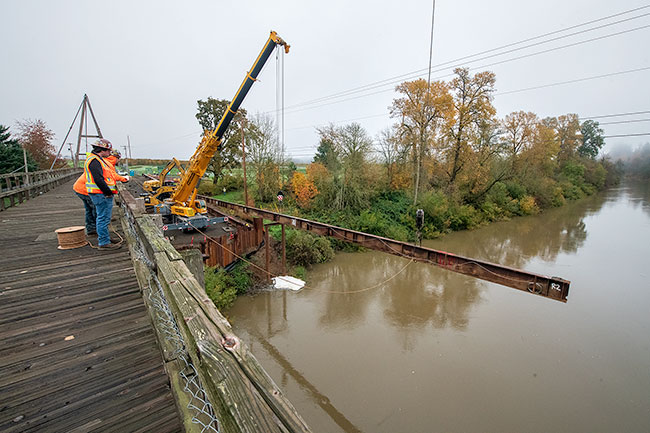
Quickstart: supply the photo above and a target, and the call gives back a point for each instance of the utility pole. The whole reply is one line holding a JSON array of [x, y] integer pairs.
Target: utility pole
[[126, 157], [26, 168], [128, 140], [243, 150], [126, 153]]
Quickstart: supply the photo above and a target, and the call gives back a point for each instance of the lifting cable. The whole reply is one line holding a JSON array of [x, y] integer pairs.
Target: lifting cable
[[279, 102]]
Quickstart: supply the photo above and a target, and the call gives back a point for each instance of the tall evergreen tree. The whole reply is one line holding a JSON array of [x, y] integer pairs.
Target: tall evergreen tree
[[327, 154], [11, 153]]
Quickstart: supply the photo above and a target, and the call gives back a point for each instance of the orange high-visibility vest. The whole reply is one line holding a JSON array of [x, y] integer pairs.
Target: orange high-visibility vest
[[91, 186], [113, 163], [80, 184]]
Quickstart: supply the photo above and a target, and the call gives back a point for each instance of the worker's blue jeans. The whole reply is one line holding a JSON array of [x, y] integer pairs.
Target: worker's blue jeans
[[91, 213], [104, 207]]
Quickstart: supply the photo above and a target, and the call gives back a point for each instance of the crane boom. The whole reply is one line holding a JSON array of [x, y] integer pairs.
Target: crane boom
[[183, 197]]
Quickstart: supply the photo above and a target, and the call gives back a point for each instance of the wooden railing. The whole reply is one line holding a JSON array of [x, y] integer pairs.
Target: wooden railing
[[16, 188], [243, 395]]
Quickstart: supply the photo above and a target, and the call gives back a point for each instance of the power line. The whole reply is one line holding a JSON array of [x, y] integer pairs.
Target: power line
[[574, 81], [339, 121], [413, 74], [518, 90], [627, 135], [388, 80], [478, 67], [624, 121], [616, 115]]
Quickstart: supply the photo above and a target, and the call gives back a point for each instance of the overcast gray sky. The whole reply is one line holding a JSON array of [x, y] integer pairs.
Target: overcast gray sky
[[144, 64]]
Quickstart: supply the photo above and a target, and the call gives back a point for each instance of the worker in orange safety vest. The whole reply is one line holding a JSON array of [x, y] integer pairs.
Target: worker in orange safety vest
[[79, 188], [100, 188]]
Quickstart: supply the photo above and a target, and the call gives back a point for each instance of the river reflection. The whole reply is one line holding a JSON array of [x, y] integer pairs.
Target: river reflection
[[420, 294], [378, 344]]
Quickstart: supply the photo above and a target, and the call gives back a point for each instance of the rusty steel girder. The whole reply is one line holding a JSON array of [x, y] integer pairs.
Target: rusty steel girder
[[549, 287]]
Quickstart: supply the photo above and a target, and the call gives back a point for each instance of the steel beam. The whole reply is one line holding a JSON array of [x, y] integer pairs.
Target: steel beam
[[550, 287]]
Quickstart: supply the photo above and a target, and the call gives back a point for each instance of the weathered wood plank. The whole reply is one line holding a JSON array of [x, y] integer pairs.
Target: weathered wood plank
[[211, 333], [113, 364]]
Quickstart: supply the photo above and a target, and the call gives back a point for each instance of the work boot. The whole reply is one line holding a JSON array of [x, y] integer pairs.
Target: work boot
[[111, 246]]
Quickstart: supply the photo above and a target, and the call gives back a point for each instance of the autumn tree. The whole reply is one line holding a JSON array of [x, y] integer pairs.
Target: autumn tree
[[488, 165], [11, 154], [519, 129], [543, 155], [36, 138], [472, 104], [592, 139], [317, 173], [421, 111], [262, 153], [304, 189], [390, 153], [567, 128], [209, 113], [350, 181]]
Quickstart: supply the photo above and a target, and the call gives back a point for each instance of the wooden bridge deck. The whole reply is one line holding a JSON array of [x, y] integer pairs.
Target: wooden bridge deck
[[110, 376]]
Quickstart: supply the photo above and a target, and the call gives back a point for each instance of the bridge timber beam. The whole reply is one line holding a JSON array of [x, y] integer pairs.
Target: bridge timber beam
[[554, 288]]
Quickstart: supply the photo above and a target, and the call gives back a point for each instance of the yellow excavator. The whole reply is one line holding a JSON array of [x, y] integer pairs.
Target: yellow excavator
[[182, 211], [157, 190]]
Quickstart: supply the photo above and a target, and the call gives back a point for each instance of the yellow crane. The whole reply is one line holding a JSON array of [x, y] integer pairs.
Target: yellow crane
[[182, 210]]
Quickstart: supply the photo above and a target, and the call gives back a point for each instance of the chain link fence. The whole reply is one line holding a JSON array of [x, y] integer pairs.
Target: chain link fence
[[202, 411]]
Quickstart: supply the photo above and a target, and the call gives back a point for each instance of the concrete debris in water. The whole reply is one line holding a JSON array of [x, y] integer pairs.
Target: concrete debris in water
[[288, 283]]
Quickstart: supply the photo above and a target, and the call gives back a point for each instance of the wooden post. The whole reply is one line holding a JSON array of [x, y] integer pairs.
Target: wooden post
[[268, 255], [284, 253], [258, 225]]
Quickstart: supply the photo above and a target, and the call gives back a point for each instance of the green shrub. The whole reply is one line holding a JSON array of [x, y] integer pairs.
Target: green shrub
[[305, 249], [436, 207], [574, 171], [370, 222], [558, 197], [500, 196], [299, 272], [223, 287], [231, 181], [571, 191], [527, 205], [206, 187], [516, 190], [543, 189], [595, 174], [491, 211], [397, 232], [240, 277], [463, 217], [217, 288], [588, 188]]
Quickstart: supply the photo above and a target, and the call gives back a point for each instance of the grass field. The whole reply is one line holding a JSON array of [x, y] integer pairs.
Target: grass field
[[151, 169]]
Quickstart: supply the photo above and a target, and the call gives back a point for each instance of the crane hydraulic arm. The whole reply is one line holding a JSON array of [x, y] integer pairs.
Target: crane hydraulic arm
[[183, 198]]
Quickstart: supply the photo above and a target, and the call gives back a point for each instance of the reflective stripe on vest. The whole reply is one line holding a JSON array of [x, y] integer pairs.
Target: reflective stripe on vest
[[91, 186]]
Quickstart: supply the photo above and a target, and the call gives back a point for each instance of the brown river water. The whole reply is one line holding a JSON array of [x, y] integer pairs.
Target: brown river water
[[435, 351]]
